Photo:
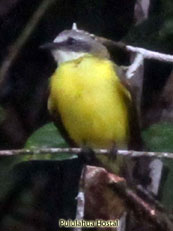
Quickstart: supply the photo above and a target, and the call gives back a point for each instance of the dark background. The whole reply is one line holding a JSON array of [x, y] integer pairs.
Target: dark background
[[24, 91], [34, 193]]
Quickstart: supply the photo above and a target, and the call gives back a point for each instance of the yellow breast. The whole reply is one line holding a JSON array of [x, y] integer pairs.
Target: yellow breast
[[92, 102]]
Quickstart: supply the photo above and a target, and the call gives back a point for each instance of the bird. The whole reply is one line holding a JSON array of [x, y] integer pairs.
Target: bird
[[94, 107], [89, 103]]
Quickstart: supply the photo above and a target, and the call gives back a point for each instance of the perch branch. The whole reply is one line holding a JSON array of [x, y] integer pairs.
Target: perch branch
[[78, 151], [15, 49]]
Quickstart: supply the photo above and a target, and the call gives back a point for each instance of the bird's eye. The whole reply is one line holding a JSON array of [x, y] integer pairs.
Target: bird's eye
[[71, 41]]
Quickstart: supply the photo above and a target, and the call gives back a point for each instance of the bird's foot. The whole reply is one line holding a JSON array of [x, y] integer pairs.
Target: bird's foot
[[88, 155], [113, 153]]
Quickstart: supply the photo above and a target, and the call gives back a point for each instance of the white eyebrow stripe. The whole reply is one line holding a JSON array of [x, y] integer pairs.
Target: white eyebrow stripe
[[59, 39]]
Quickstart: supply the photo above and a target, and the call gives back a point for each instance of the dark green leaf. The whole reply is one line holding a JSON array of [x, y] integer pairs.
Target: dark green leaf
[[159, 137], [47, 137]]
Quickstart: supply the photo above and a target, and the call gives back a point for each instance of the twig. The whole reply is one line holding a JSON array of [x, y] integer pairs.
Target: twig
[[138, 61], [15, 49], [78, 151], [147, 54], [80, 199], [150, 197], [158, 218], [110, 43]]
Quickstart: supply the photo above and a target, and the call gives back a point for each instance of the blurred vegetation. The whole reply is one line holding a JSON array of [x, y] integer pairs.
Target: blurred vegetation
[[46, 137], [33, 188], [2, 114], [159, 138]]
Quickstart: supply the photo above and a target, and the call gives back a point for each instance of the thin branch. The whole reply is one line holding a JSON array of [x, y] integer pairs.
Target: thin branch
[[15, 49], [125, 199], [147, 54], [158, 218], [78, 151], [110, 43], [138, 61], [80, 200], [150, 197]]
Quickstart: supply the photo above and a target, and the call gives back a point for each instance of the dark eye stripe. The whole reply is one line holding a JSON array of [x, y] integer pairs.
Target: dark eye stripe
[[71, 41], [76, 45]]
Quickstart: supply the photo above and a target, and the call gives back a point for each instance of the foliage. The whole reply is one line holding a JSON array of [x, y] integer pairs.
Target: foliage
[[110, 19], [2, 114], [159, 138], [47, 136], [166, 31]]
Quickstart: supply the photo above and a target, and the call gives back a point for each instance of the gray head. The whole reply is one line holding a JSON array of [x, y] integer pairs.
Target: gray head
[[74, 43]]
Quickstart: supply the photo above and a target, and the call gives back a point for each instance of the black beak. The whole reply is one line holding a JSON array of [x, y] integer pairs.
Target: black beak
[[50, 46]]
